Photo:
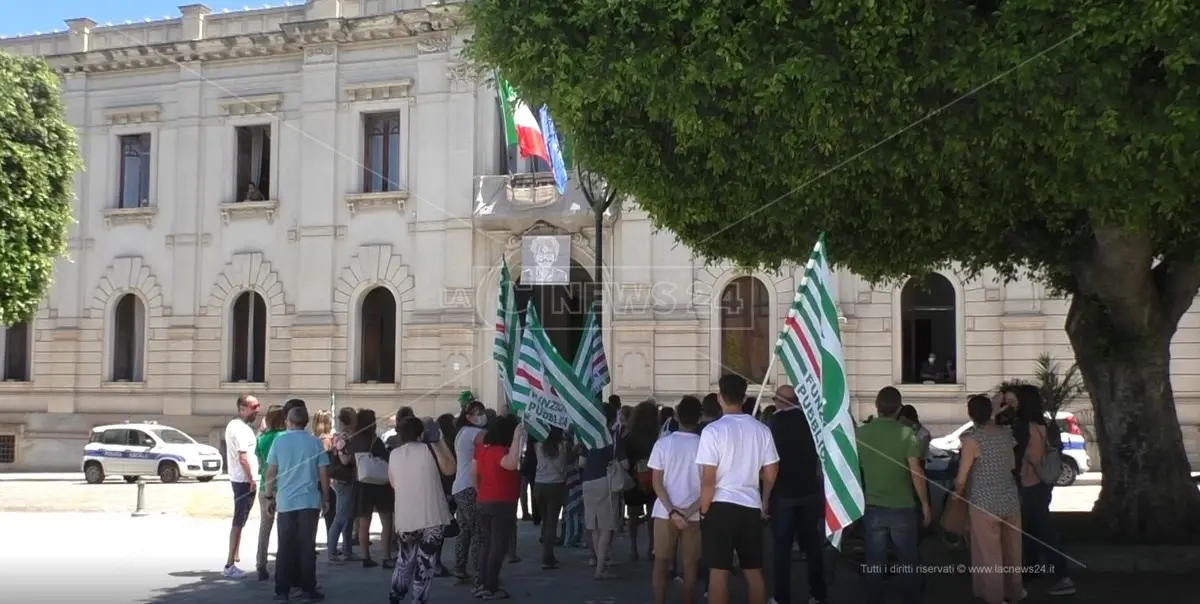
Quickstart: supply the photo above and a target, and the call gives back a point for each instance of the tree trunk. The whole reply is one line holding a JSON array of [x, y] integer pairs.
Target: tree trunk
[[1120, 328]]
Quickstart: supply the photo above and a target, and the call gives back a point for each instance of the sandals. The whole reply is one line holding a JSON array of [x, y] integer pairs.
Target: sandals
[[551, 566], [603, 576], [499, 594], [389, 563], [479, 592]]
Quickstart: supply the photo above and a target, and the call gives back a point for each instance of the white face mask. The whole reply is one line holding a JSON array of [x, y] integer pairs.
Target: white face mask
[[479, 421]]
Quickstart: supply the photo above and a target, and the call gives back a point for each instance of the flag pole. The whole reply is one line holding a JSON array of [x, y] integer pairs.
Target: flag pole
[[763, 388]]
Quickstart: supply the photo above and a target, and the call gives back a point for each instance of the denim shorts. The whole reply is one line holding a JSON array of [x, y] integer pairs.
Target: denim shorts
[[243, 502]]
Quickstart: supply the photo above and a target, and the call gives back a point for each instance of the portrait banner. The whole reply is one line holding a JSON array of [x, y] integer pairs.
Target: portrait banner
[[546, 260]]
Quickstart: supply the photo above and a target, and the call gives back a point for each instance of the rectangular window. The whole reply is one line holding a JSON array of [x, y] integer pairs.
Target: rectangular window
[[253, 178], [8, 448], [381, 153], [116, 437], [135, 171], [14, 351]]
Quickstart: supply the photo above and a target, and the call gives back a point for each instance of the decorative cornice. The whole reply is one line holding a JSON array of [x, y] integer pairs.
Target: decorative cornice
[[251, 105], [378, 91], [358, 202], [142, 114], [462, 77], [291, 38], [427, 45], [249, 210], [119, 216]]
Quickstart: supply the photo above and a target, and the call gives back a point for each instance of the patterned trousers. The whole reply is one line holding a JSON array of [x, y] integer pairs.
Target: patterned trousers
[[466, 546], [415, 568]]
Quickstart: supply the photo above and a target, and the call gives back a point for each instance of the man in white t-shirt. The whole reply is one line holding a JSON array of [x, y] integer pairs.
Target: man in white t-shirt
[[736, 452], [677, 509], [242, 463]]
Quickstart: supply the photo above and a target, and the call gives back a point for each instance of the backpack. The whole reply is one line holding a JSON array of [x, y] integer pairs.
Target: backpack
[[1051, 467]]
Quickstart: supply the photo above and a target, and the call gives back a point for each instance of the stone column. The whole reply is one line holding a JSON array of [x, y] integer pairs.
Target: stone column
[[81, 31], [316, 230], [193, 20]]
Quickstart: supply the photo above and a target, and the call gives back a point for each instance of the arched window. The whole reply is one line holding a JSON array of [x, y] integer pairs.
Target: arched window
[[930, 339], [128, 337], [377, 338], [248, 339], [746, 329], [14, 353]]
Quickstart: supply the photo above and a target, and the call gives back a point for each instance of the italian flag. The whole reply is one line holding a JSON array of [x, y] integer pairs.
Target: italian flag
[[810, 349], [521, 127]]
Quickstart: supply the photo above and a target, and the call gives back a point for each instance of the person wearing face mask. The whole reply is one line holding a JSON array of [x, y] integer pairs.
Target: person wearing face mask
[[471, 422], [931, 373]]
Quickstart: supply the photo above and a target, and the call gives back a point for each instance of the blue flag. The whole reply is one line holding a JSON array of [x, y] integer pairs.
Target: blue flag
[[554, 148]]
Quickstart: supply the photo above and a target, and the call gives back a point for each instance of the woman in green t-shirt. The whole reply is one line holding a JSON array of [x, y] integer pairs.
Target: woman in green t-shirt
[[274, 424]]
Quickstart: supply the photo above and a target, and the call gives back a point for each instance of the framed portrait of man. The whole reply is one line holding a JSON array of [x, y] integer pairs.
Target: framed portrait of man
[[546, 260]]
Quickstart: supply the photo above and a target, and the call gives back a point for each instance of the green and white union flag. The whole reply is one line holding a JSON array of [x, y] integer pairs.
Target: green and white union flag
[[591, 365], [810, 349], [504, 344], [530, 390], [585, 412]]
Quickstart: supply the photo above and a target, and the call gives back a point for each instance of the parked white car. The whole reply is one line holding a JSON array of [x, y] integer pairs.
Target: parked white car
[[1075, 457], [147, 449]]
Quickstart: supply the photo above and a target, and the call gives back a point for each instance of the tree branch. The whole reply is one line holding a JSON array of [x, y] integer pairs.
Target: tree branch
[[1177, 279]]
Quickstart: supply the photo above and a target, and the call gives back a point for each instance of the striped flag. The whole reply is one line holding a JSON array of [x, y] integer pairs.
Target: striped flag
[[585, 412], [810, 348], [591, 365], [521, 127], [529, 388], [504, 345]]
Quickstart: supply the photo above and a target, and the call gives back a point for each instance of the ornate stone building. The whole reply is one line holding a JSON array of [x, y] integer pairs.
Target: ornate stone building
[[315, 200]]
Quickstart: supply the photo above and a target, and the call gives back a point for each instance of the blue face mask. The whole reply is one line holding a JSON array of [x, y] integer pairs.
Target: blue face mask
[[479, 421]]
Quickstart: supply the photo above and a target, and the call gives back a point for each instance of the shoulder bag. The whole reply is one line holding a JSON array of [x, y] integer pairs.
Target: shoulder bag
[[619, 479], [453, 529], [1051, 467], [369, 469]]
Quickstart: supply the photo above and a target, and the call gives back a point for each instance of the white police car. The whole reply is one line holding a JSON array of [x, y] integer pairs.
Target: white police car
[[1074, 452], [132, 450]]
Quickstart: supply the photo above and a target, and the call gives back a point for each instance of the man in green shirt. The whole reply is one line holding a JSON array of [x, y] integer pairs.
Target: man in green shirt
[[892, 473]]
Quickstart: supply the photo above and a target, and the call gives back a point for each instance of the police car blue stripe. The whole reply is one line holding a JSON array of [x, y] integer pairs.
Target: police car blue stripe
[[134, 455]]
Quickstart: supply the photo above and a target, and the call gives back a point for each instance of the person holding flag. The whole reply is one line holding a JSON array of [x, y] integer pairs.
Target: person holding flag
[[798, 499]]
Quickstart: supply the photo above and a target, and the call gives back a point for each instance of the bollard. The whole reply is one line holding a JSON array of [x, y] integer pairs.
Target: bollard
[[141, 499]]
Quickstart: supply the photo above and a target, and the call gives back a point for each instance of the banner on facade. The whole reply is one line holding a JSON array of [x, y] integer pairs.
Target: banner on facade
[[546, 260]]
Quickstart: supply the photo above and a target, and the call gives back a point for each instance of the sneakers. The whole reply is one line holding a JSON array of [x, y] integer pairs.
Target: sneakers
[[1063, 587], [233, 572]]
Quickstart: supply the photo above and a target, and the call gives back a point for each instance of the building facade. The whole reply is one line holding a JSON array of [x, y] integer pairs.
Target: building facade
[[316, 201]]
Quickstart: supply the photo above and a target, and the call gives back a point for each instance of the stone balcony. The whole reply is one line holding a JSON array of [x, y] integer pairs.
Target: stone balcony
[[515, 202]]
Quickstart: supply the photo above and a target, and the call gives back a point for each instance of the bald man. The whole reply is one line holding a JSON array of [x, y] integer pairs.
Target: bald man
[[785, 398], [798, 500]]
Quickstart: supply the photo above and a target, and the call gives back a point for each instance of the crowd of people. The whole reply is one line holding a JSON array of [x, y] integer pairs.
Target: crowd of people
[[697, 481]]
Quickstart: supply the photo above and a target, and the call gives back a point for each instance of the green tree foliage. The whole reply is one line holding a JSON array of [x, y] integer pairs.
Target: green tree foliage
[[1055, 139], [38, 161]]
